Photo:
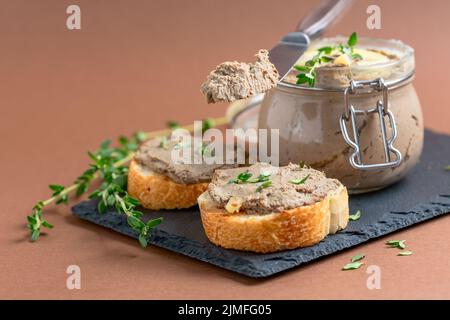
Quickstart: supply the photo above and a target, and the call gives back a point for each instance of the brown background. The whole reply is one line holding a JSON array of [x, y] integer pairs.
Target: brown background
[[135, 65]]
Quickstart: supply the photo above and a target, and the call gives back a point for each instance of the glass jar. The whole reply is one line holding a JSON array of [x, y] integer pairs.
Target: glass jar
[[367, 133]]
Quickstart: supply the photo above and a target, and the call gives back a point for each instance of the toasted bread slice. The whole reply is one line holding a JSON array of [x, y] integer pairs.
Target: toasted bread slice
[[156, 191], [294, 228]]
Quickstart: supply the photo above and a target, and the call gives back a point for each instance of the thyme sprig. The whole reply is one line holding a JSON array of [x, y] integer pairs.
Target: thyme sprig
[[108, 163], [307, 72]]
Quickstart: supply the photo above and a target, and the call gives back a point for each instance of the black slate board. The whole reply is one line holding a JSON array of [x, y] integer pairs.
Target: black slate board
[[422, 195]]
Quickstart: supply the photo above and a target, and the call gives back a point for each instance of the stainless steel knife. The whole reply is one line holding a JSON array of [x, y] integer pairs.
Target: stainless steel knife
[[286, 53]]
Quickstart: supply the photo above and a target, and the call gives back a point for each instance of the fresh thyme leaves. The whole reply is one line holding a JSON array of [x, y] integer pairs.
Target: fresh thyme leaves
[[400, 244], [300, 181], [307, 73], [57, 189], [112, 193], [264, 176], [163, 143], [264, 185], [302, 164], [208, 124], [352, 40], [355, 262], [352, 265], [447, 168], [172, 125], [36, 221], [107, 163], [356, 216], [357, 257], [242, 177]]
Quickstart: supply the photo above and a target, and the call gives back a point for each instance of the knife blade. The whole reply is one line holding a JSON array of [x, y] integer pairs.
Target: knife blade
[[291, 47], [287, 51]]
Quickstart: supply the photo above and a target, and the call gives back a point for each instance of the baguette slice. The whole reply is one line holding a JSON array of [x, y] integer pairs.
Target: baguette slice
[[156, 191], [294, 228]]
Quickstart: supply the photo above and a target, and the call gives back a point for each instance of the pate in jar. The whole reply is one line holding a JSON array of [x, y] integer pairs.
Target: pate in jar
[[360, 121]]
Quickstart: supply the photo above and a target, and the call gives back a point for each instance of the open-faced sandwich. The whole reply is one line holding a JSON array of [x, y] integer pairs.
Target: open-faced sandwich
[[160, 183], [263, 208]]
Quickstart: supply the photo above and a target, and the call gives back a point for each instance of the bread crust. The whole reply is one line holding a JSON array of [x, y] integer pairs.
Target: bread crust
[[156, 191], [295, 228]]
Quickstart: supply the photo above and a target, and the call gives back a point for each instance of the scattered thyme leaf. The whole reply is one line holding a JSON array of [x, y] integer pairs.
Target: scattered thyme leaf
[[356, 216], [396, 244], [447, 168], [302, 164], [242, 177], [405, 253], [358, 257], [352, 40], [357, 56], [264, 176], [326, 50], [173, 124], [300, 181], [352, 265], [264, 185], [207, 124], [302, 68], [163, 143]]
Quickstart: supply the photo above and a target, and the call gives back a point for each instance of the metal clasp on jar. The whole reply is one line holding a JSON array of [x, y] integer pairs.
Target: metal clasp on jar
[[382, 108]]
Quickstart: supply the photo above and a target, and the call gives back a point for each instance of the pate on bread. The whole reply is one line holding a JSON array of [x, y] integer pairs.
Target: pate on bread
[[263, 208], [160, 183]]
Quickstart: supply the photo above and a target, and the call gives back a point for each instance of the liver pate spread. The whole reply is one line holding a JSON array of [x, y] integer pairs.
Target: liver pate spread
[[290, 187], [231, 81], [156, 155]]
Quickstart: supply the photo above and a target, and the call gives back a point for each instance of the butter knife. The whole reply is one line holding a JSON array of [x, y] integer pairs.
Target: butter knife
[[286, 53]]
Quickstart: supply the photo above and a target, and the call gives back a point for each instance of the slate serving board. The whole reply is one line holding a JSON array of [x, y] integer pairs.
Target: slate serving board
[[422, 195]]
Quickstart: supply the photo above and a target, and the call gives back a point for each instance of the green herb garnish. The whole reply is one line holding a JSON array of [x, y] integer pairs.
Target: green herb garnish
[[242, 177], [307, 73], [405, 253], [396, 244], [173, 124], [163, 143], [356, 216], [352, 40], [208, 124], [264, 185], [355, 262], [264, 176], [447, 168], [107, 163], [300, 181], [358, 257], [353, 265]]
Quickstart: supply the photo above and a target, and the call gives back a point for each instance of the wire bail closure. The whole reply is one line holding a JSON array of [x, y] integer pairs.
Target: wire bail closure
[[382, 109]]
